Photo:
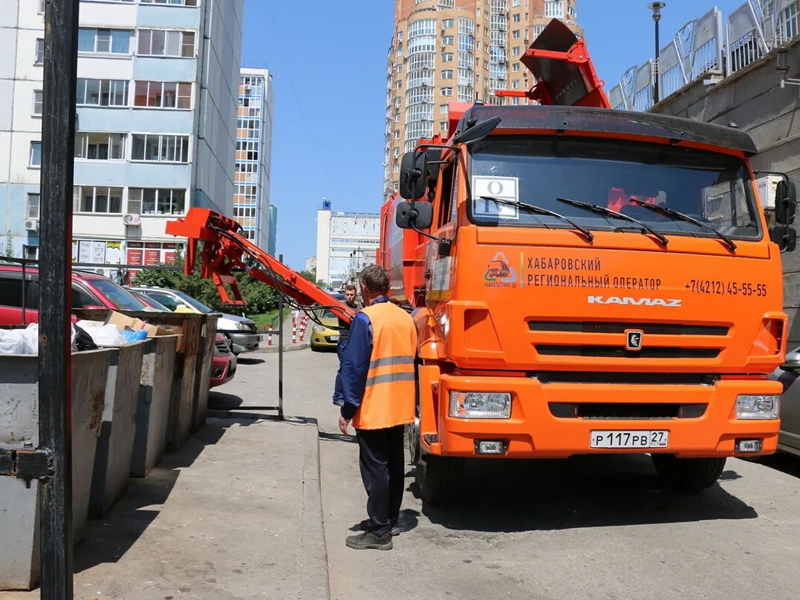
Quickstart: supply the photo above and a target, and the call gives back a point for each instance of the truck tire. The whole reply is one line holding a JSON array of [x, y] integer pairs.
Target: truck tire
[[688, 475], [439, 477]]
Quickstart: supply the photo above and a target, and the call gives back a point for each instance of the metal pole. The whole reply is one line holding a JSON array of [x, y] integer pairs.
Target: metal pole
[[656, 8], [24, 287], [55, 296], [280, 351]]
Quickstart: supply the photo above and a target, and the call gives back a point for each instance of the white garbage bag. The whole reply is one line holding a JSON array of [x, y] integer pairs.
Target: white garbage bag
[[107, 335]]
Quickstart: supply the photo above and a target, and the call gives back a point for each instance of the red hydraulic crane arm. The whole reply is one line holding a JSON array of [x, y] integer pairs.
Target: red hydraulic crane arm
[[563, 71], [225, 250]]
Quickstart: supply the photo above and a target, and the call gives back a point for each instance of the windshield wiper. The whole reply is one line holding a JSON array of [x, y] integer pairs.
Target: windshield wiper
[[608, 212], [541, 211], [684, 217]]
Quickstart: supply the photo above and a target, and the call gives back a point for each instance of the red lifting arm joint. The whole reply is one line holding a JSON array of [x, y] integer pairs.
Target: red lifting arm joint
[[225, 249]]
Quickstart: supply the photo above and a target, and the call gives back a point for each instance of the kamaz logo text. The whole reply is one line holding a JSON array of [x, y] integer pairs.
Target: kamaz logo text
[[628, 301]]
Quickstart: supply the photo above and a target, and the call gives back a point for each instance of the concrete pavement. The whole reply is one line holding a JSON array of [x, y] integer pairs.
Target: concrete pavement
[[237, 514]]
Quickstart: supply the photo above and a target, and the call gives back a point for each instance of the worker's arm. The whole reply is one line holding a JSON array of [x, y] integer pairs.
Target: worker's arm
[[355, 355]]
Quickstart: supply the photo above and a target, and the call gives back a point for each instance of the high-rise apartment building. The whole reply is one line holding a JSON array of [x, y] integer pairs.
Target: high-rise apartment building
[[156, 119], [346, 243], [251, 207], [447, 51]]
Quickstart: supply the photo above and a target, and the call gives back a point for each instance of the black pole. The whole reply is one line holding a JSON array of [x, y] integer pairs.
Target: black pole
[[55, 297], [656, 92], [656, 8], [280, 350]]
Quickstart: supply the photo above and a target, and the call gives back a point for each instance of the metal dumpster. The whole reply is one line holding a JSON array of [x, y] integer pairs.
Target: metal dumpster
[[184, 389], [19, 428], [112, 463], [152, 414], [203, 379]]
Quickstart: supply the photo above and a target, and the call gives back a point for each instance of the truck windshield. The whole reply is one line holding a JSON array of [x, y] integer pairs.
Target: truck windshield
[[711, 187]]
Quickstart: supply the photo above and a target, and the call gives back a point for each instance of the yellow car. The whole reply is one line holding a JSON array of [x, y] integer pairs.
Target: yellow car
[[325, 335]]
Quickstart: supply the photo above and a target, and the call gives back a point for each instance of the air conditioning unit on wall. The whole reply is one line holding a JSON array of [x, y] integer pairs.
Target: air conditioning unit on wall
[[132, 220], [32, 225]]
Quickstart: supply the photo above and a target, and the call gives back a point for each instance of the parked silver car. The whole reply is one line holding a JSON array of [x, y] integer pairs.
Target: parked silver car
[[789, 375]]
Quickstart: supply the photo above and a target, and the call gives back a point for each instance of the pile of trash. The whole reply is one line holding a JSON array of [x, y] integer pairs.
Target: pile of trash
[[86, 335]]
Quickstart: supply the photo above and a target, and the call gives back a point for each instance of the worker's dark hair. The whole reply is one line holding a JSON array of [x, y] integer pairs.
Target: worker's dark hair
[[375, 279], [350, 287]]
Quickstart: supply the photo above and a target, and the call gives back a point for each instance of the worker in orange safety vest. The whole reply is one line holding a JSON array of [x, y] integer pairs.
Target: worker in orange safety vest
[[378, 385]]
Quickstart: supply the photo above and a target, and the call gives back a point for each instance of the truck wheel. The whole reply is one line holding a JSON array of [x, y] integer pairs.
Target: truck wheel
[[688, 475], [439, 477]]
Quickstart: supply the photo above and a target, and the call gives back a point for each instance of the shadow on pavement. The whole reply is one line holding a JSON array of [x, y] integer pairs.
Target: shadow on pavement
[[247, 360], [785, 463], [108, 540], [337, 437], [220, 400], [584, 491]]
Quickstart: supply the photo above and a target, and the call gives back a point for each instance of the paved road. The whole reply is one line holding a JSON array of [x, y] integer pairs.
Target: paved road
[[588, 528]]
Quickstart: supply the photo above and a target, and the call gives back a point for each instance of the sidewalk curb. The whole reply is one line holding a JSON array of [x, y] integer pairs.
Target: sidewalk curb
[[274, 349], [313, 558]]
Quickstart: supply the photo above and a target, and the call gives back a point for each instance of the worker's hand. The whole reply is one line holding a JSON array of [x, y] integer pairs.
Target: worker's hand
[[343, 423]]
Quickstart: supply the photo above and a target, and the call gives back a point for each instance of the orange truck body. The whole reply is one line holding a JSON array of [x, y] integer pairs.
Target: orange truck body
[[544, 314]]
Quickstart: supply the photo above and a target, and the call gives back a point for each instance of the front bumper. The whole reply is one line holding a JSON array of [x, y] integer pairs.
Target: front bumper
[[243, 341], [325, 339], [534, 432], [223, 368]]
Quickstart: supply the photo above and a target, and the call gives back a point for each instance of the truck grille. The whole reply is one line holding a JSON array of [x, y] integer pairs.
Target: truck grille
[[626, 411], [608, 378], [619, 327], [621, 352]]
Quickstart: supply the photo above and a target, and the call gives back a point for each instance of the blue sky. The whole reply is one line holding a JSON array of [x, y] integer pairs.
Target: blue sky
[[329, 68]]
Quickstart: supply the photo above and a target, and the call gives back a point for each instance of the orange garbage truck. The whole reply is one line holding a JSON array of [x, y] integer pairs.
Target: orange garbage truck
[[587, 281], [583, 280]]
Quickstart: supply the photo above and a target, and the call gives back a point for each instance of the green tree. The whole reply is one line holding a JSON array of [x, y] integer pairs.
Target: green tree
[[9, 245]]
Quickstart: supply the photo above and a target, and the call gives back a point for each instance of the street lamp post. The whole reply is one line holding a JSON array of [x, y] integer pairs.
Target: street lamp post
[[656, 8]]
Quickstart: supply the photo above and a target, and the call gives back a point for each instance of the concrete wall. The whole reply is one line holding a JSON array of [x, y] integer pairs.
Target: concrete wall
[[753, 100]]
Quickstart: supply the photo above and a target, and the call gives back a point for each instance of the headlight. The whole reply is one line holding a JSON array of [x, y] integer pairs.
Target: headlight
[[243, 327], [480, 405], [758, 407], [318, 328]]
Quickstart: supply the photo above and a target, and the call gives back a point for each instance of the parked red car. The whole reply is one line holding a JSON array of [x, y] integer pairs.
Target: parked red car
[[223, 364], [89, 290]]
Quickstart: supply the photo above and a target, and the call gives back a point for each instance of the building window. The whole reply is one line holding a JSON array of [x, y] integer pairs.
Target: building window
[[148, 201], [537, 30], [515, 84], [104, 41], [787, 23], [448, 23], [100, 146], [515, 18], [447, 91], [39, 59], [515, 34], [102, 200], [42, 3], [515, 67], [514, 2], [515, 51], [396, 134], [160, 42], [32, 206], [447, 40], [554, 9], [102, 92], [399, 84], [160, 148], [35, 156], [447, 74], [38, 98], [163, 94], [447, 57], [443, 109], [443, 126]]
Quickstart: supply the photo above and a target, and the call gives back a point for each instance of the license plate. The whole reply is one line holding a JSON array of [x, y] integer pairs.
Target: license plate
[[629, 439], [334, 338]]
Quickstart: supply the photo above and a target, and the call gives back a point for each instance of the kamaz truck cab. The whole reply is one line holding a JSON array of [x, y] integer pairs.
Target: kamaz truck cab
[[587, 281]]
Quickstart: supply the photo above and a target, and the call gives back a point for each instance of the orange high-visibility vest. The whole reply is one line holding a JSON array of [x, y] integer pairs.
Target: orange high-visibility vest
[[389, 396]]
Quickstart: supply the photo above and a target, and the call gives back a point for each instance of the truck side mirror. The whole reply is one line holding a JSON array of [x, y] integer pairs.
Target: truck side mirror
[[414, 215], [784, 236], [785, 203], [413, 175]]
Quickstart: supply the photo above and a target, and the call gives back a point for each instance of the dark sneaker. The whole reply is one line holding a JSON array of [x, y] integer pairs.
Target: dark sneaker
[[366, 525], [369, 541]]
